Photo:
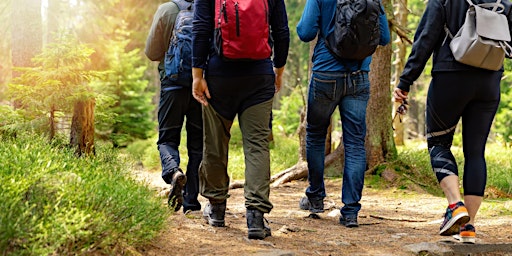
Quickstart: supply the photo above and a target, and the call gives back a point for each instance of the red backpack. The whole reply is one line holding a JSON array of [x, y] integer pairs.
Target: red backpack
[[242, 29]]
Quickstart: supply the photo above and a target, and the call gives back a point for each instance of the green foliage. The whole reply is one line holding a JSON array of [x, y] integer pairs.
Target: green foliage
[[499, 167], [286, 119], [56, 204], [296, 71], [146, 152], [413, 166], [58, 80], [124, 108], [9, 118], [503, 120]]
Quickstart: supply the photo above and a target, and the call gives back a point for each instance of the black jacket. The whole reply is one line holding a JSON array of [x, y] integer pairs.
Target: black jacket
[[430, 36]]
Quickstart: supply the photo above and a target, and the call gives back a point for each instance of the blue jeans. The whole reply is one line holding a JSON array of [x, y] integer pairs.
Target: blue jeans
[[176, 103], [350, 93]]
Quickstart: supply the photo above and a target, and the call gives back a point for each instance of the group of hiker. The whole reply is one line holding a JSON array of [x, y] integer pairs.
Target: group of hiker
[[221, 59]]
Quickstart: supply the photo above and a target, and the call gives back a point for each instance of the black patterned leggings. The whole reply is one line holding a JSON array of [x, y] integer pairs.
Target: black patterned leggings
[[473, 96]]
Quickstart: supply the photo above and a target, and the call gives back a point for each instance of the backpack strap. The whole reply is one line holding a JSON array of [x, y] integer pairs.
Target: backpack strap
[[496, 7], [185, 4]]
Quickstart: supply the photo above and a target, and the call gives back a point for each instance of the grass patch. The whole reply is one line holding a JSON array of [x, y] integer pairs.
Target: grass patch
[[499, 167], [56, 204], [415, 172]]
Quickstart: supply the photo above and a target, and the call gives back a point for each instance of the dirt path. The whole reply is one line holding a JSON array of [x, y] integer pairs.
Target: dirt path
[[392, 222]]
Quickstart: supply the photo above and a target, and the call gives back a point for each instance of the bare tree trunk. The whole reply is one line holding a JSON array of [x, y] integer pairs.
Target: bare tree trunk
[[380, 145], [82, 128], [399, 63]]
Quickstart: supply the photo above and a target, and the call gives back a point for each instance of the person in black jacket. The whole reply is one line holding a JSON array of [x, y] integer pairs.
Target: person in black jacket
[[457, 91], [242, 88]]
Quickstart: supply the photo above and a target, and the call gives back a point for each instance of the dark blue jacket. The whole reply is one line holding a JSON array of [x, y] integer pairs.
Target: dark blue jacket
[[430, 38]]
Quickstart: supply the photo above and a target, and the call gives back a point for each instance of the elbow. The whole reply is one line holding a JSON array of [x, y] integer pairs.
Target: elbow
[[304, 36], [385, 38], [152, 55]]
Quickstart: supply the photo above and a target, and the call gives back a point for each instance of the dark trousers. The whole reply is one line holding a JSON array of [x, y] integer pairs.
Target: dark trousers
[[253, 118], [473, 97], [176, 104]]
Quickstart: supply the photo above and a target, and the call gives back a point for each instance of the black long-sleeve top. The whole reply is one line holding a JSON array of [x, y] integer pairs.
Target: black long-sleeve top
[[203, 53], [430, 38]]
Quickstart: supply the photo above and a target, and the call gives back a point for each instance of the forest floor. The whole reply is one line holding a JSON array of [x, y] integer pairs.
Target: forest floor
[[392, 222]]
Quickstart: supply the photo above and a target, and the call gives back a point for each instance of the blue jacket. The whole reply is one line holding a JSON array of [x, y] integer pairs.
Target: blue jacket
[[317, 18]]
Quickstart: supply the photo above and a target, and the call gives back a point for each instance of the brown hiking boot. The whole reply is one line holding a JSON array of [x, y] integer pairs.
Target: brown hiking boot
[[176, 194]]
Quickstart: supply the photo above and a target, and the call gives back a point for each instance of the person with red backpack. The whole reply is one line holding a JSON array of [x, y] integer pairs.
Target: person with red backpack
[[236, 74], [166, 38]]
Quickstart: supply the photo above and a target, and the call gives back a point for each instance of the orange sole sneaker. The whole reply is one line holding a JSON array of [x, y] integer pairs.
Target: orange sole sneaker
[[454, 219], [467, 234]]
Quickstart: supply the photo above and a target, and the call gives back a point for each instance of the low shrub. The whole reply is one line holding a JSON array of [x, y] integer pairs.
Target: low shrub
[[56, 204]]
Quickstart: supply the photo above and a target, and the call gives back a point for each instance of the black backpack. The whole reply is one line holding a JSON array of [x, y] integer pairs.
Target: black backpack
[[356, 29], [178, 58]]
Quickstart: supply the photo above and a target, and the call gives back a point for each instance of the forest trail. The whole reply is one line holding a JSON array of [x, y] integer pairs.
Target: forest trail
[[392, 222]]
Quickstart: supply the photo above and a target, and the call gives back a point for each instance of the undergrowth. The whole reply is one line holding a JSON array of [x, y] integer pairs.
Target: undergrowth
[[415, 172], [54, 203]]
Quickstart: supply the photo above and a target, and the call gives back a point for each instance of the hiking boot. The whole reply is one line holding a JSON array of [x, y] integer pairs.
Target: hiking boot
[[190, 204], [257, 225], [349, 221], [191, 208], [214, 214], [314, 206], [467, 234], [454, 219], [176, 194]]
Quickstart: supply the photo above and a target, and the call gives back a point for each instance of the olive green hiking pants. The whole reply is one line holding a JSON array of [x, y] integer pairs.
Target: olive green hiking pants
[[213, 172]]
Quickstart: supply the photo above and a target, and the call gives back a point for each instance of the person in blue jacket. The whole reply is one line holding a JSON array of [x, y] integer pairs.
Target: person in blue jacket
[[335, 83]]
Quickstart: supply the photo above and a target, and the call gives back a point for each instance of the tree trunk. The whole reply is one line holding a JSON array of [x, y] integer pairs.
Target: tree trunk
[[82, 128], [399, 63], [379, 145], [26, 32]]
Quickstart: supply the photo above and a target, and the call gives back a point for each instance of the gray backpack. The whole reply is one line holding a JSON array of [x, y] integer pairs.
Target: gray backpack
[[482, 41]]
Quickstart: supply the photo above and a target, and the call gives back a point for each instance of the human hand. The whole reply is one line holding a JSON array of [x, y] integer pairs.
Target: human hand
[[279, 78], [400, 95], [200, 87], [200, 91]]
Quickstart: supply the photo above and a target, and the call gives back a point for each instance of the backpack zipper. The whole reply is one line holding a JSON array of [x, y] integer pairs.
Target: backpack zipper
[[267, 13], [224, 11], [237, 20]]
